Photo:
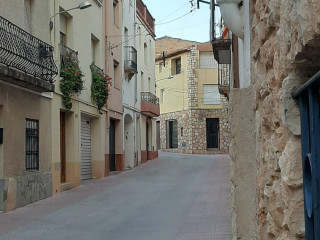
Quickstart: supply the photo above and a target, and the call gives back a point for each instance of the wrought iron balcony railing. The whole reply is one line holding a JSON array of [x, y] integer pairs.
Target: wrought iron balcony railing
[[130, 63], [97, 69], [149, 97], [67, 52], [21, 50]]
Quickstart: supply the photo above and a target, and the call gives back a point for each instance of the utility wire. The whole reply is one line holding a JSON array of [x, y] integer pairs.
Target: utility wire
[[174, 11]]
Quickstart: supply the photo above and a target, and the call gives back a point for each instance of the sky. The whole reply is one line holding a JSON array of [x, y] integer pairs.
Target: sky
[[194, 26]]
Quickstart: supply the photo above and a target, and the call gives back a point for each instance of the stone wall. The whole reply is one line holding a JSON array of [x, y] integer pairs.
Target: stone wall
[[193, 122], [23, 190], [285, 53]]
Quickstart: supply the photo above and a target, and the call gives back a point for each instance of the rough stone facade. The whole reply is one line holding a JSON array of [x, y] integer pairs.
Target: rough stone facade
[[285, 53], [193, 140], [193, 122]]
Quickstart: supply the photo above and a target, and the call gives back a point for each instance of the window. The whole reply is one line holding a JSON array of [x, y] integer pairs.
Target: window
[[142, 82], [160, 67], [63, 38], [32, 144], [172, 134], [149, 84], [94, 49], [163, 96], [115, 12], [206, 60], [27, 15], [309, 102], [211, 94], [145, 54], [182, 132], [116, 74], [176, 66], [139, 33]]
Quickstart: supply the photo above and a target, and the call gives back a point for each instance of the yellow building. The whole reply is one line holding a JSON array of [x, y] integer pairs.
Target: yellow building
[[193, 114]]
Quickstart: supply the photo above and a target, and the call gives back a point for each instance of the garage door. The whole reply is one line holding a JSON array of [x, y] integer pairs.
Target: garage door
[[86, 171]]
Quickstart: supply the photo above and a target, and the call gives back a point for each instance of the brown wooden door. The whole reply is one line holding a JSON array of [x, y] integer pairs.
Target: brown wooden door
[[62, 147], [112, 146]]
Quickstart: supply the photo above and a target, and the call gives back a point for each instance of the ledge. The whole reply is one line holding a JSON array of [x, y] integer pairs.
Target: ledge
[[24, 80]]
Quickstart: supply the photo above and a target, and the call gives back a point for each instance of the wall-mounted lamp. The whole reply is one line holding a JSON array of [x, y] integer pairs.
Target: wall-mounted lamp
[[81, 6]]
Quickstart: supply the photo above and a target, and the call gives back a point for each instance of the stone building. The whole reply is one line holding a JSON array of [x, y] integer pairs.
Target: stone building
[[193, 114], [275, 183]]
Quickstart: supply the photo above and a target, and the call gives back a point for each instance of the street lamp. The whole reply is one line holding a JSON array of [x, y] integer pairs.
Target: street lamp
[[81, 6]]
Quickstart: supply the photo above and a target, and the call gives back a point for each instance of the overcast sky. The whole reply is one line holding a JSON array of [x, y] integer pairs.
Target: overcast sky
[[194, 26]]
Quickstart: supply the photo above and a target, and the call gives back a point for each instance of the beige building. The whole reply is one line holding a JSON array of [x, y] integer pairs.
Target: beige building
[[27, 70], [113, 66], [193, 113], [79, 133], [275, 181], [147, 102]]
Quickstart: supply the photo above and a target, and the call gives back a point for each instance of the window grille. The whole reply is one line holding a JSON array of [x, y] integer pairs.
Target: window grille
[[32, 144], [308, 96]]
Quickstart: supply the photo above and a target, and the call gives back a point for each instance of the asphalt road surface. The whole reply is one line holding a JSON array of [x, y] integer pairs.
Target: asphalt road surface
[[174, 197]]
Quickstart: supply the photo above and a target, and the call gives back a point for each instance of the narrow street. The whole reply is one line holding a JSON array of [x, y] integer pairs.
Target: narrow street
[[174, 197]]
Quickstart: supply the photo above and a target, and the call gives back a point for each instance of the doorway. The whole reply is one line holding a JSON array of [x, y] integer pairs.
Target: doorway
[[212, 126], [112, 146], [158, 134], [147, 140], [62, 147]]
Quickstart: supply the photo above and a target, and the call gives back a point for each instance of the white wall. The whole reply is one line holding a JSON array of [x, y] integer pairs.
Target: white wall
[[244, 49]]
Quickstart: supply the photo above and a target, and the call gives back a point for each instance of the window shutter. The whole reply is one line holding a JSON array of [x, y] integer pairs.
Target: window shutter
[[211, 94]]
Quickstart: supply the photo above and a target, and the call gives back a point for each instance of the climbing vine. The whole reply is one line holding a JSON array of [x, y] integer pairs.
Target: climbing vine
[[100, 87], [71, 80]]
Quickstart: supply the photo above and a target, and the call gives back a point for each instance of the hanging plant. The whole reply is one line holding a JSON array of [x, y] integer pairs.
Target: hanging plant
[[100, 87], [71, 80]]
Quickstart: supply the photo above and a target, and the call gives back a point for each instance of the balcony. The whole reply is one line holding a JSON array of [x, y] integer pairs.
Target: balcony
[[66, 52], [25, 60], [220, 37], [150, 104], [224, 79], [130, 62]]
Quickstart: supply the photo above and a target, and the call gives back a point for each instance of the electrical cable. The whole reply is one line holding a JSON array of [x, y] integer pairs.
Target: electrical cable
[[174, 11]]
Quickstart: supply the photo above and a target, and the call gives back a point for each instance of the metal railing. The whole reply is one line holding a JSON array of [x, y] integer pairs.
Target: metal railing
[[130, 62], [66, 52], [21, 50], [218, 30], [97, 69], [308, 97], [224, 74], [149, 97]]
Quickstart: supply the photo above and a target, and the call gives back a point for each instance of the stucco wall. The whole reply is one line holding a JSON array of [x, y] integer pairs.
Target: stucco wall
[[18, 186]]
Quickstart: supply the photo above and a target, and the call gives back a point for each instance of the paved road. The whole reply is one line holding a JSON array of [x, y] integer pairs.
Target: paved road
[[175, 197]]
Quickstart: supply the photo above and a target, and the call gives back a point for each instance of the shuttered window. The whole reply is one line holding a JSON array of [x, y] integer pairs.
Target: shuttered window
[[211, 94]]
